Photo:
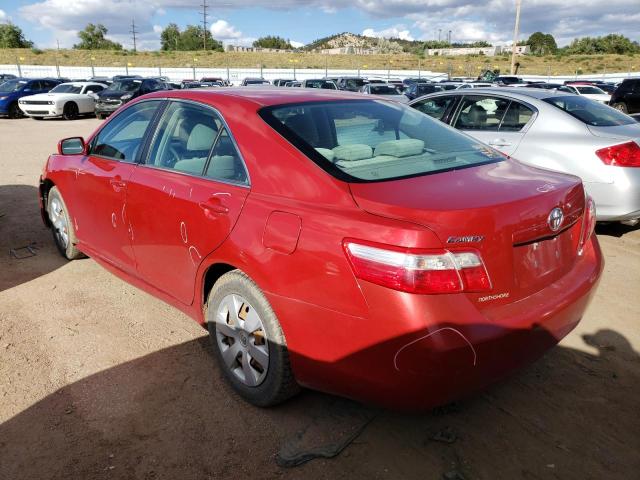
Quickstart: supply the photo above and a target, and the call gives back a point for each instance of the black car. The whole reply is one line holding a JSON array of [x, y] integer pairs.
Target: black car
[[124, 90], [351, 84], [508, 80], [626, 97], [545, 85], [416, 90], [6, 76], [254, 81]]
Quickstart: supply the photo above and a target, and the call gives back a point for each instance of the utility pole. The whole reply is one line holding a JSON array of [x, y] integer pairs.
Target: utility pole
[[205, 7], [57, 54], [439, 32], [449, 38], [133, 33], [515, 36]]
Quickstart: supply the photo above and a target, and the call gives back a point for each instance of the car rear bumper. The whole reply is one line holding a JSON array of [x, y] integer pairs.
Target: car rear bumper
[[620, 200], [417, 351]]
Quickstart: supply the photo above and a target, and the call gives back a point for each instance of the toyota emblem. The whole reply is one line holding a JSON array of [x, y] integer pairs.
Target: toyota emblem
[[555, 219]]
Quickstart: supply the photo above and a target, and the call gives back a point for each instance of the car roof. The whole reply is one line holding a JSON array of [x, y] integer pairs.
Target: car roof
[[264, 97], [539, 93]]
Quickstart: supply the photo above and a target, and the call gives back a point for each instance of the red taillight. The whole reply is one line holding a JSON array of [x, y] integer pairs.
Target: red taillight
[[623, 155], [589, 223], [418, 271]]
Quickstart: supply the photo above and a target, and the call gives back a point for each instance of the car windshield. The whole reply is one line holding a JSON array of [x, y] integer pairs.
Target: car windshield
[[589, 90], [125, 86], [355, 82], [371, 140], [12, 86], [424, 89], [589, 111], [67, 88], [256, 82], [383, 90]]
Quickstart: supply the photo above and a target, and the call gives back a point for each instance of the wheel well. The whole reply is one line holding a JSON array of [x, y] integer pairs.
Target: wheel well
[[214, 272], [45, 187], [69, 103]]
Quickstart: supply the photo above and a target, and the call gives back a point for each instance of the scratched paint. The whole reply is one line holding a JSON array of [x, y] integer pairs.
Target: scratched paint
[[183, 232], [113, 219], [195, 255], [395, 357]]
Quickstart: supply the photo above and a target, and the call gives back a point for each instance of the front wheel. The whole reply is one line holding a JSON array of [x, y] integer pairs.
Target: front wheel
[[64, 234], [621, 106], [70, 111], [248, 341], [14, 110]]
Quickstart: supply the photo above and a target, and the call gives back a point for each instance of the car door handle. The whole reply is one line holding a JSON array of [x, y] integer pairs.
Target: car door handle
[[214, 205], [500, 142]]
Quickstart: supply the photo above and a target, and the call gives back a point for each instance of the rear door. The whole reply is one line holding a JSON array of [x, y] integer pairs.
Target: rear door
[[100, 189], [496, 121], [185, 200]]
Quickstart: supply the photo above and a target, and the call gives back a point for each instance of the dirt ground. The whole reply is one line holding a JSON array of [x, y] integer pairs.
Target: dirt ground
[[98, 380]]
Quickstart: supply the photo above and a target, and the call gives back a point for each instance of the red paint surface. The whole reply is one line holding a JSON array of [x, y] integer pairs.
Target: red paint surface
[[345, 335]]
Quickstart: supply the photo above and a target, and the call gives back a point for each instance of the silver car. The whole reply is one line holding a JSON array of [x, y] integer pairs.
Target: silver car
[[554, 130], [387, 90]]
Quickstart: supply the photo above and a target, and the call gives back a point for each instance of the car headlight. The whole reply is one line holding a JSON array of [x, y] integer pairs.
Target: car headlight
[[3, 98], [19, 101], [51, 102], [126, 96]]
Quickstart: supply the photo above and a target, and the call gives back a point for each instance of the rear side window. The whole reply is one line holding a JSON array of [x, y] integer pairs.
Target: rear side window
[[370, 140], [517, 116], [121, 138], [434, 107], [481, 113], [192, 139], [589, 111]]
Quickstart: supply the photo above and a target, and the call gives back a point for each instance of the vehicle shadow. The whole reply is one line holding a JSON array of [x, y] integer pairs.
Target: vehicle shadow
[[27, 250], [168, 415], [615, 229]]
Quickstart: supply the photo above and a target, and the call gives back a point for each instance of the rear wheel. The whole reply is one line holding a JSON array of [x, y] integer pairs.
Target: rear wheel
[[70, 111], [248, 341], [14, 110], [64, 234], [621, 106]]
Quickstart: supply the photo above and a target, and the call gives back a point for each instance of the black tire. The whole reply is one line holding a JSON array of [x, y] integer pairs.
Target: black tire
[[621, 106], [14, 111], [100, 116], [279, 383], [57, 208], [70, 111]]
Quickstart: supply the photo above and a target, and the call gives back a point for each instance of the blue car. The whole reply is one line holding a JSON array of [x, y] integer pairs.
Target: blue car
[[13, 90]]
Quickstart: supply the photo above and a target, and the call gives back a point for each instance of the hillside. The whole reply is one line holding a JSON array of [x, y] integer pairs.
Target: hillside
[[469, 65], [360, 41]]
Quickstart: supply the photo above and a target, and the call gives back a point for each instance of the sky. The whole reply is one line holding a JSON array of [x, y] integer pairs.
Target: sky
[[240, 22]]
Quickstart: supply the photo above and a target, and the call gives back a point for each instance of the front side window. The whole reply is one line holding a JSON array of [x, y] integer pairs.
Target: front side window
[[481, 113], [589, 111], [370, 140], [434, 107], [121, 138], [192, 139]]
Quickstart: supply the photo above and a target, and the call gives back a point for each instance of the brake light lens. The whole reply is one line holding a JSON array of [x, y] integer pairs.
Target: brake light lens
[[417, 271], [623, 155], [589, 223]]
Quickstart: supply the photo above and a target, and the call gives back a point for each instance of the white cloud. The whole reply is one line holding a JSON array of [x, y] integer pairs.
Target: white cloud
[[295, 44], [4, 18], [158, 29], [223, 30], [399, 31]]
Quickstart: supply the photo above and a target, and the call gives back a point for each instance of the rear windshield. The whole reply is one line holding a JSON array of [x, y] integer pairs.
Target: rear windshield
[[383, 90], [320, 84], [371, 140], [589, 111]]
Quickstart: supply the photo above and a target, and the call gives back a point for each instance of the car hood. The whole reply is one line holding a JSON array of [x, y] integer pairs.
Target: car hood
[[113, 94], [53, 96], [622, 132]]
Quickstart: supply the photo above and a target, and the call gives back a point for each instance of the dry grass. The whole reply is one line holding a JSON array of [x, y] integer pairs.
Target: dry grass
[[467, 65]]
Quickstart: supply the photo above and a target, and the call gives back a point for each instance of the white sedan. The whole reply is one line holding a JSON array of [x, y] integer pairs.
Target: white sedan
[[67, 100], [387, 90], [588, 91]]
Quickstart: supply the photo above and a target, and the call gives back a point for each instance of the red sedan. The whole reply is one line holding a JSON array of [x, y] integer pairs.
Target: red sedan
[[354, 246]]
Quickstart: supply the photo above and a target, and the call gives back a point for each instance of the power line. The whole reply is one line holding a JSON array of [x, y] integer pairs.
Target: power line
[[133, 33], [204, 7]]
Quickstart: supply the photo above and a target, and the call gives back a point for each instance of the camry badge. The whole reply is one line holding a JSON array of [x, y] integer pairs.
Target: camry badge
[[555, 219], [466, 239]]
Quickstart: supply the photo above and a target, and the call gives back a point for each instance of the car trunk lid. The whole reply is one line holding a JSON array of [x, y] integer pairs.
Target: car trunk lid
[[501, 209], [622, 132]]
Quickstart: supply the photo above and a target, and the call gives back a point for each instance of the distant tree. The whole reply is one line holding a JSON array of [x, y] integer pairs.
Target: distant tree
[[445, 44], [170, 37], [542, 44], [273, 42], [612, 43], [190, 39], [93, 38], [11, 36]]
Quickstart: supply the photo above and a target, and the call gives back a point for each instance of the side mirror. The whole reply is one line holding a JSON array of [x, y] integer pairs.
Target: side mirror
[[90, 91], [71, 146]]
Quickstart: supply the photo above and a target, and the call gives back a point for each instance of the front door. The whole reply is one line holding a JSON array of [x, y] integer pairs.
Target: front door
[[100, 219], [186, 199]]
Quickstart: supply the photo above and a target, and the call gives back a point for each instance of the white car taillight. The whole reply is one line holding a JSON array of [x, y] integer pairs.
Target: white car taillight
[[417, 271], [588, 223]]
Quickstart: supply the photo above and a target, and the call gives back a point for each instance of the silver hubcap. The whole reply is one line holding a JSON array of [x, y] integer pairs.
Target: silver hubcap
[[242, 340], [59, 222]]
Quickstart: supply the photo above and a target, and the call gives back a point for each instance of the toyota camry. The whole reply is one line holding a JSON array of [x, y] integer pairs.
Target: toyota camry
[[346, 244]]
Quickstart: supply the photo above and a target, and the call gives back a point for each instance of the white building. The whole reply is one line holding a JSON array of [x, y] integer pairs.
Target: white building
[[488, 51]]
